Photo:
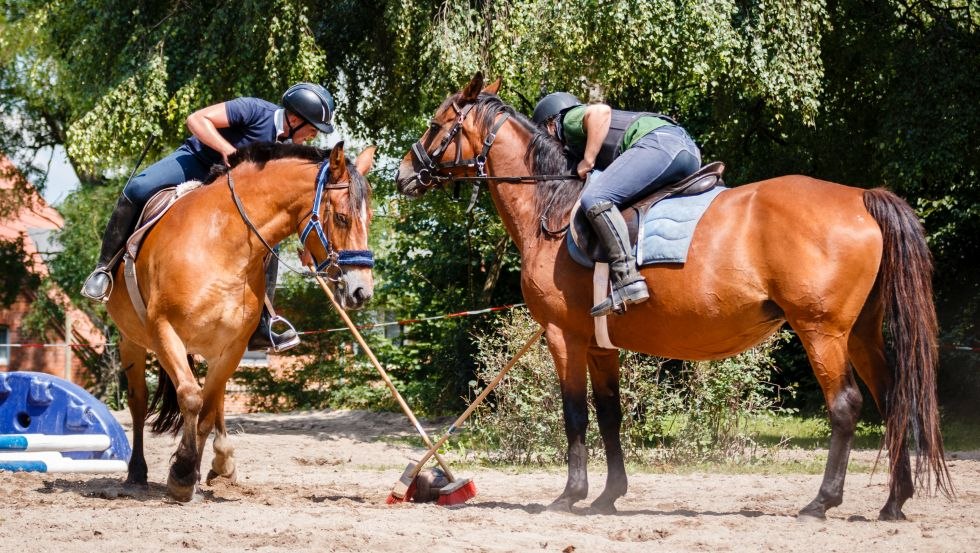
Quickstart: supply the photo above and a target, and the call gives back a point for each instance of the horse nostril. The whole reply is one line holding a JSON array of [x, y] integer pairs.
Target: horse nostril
[[361, 296]]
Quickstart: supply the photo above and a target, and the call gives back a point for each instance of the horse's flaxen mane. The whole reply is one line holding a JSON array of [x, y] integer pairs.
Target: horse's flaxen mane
[[261, 153], [545, 154]]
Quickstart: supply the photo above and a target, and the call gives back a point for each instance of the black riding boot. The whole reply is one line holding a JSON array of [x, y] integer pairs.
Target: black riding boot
[[264, 337], [98, 285], [628, 285]]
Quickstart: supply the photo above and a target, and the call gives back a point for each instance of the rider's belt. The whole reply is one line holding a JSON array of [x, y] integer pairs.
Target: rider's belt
[[619, 123]]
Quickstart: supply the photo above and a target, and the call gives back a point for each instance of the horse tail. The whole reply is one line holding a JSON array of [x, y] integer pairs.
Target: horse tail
[[165, 405], [911, 409]]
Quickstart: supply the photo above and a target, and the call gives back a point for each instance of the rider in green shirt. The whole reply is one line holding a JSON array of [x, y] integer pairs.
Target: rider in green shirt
[[637, 153]]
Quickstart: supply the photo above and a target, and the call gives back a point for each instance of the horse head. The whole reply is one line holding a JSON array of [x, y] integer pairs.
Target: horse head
[[340, 246], [458, 140]]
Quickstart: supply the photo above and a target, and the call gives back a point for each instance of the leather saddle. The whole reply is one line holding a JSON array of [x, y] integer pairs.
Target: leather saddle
[[153, 211], [702, 180]]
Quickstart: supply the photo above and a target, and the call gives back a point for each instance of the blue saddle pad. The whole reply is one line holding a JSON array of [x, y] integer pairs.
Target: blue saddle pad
[[667, 230]]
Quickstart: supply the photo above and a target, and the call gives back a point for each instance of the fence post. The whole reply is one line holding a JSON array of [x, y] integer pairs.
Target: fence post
[[68, 345]]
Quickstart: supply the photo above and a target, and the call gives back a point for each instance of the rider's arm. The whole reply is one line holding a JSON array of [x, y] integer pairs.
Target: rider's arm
[[596, 126], [204, 124]]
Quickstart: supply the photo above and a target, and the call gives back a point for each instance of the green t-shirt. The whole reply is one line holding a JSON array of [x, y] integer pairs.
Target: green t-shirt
[[573, 129]]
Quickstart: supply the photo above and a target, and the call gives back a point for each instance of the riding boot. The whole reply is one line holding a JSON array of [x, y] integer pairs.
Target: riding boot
[[264, 336], [98, 285], [628, 285]]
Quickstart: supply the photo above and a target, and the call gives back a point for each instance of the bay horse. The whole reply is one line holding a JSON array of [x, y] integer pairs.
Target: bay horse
[[200, 271], [833, 261]]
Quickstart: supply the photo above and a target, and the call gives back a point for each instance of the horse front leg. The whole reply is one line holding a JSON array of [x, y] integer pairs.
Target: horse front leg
[[604, 375], [569, 357], [133, 359], [184, 475]]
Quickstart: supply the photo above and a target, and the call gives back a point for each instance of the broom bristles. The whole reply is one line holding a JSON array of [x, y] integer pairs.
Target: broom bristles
[[458, 492]]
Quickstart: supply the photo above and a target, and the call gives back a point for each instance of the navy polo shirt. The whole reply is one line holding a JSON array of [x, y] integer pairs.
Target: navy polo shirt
[[250, 120]]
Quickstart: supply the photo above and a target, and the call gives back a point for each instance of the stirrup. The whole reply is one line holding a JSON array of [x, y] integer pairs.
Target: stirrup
[[616, 301], [282, 341], [104, 296]]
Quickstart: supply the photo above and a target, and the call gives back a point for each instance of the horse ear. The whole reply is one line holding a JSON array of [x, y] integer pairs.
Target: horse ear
[[365, 160], [472, 90], [338, 163], [494, 87]]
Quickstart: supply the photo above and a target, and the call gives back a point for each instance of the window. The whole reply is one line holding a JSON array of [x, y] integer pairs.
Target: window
[[4, 346]]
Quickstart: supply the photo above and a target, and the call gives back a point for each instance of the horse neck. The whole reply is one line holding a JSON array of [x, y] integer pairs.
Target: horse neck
[[277, 197], [515, 202]]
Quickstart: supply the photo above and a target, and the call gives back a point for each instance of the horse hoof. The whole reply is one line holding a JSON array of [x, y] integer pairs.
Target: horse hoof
[[181, 492], [603, 508], [811, 515], [889, 515], [231, 478], [561, 505]]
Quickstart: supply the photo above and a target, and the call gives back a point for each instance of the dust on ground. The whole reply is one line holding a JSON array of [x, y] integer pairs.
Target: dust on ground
[[317, 481]]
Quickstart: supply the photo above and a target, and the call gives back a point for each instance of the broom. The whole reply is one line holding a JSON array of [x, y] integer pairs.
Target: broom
[[453, 493], [384, 375]]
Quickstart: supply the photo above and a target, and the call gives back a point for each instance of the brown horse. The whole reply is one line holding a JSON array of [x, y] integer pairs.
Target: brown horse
[[831, 260], [200, 272]]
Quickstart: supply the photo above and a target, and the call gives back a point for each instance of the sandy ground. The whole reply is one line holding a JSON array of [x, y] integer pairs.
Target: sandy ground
[[318, 482]]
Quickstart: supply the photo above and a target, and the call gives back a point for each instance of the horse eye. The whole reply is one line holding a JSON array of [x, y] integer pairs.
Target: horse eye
[[341, 219]]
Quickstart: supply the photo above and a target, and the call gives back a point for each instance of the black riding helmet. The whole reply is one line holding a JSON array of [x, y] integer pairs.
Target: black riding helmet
[[552, 105], [312, 103]]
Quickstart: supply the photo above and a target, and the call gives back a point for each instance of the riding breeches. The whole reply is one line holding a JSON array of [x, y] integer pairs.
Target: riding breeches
[[179, 167], [665, 155]]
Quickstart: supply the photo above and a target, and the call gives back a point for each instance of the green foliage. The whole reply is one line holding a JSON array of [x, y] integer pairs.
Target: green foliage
[[700, 413], [851, 91]]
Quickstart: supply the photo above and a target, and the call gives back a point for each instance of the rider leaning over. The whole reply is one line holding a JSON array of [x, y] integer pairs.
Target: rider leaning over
[[216, 132], [637, 153]]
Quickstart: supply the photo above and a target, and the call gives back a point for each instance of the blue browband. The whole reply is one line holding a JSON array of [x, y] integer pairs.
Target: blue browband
[[354, 258]]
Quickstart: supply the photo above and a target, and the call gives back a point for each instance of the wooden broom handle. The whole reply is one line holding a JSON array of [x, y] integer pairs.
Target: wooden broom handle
[[384, 375]]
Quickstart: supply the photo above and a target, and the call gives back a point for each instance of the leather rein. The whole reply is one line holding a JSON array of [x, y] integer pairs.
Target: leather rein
[[333, 265]]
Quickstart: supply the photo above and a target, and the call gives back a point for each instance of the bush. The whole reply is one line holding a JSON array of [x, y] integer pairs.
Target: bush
[[699, 412]]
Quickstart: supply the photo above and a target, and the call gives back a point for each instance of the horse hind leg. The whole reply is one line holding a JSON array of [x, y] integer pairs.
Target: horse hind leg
[[213, 418], [604, 375], [133, 359], [866, 349], [827, 354]]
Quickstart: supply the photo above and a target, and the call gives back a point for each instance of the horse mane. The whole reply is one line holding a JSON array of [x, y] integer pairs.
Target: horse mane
[[545, 154], [261, 153]]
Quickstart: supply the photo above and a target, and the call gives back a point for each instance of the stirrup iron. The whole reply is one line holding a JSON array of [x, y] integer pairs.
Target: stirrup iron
[[289, 343]]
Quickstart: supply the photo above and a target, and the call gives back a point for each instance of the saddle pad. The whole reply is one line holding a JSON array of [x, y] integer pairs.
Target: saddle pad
[[667, 230], [669, 227]]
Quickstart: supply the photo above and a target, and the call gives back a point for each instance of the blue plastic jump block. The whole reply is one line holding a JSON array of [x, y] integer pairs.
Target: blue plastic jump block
[[39, 403]]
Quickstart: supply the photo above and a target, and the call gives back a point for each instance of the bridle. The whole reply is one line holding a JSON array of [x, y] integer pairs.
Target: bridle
[[433, 173], [333, 265]]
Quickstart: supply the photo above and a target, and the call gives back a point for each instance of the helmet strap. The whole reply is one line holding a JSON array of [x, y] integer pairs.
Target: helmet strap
[[292, 129]]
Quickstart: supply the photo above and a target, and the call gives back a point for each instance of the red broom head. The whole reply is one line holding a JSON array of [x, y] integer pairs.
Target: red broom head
[[458, 492], [392, 498]]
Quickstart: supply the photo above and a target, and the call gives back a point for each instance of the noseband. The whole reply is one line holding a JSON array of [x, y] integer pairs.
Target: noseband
[[335, 260]]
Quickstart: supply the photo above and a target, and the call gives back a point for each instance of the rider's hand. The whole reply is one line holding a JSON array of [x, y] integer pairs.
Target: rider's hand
[[305, 257], [584, 168]]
